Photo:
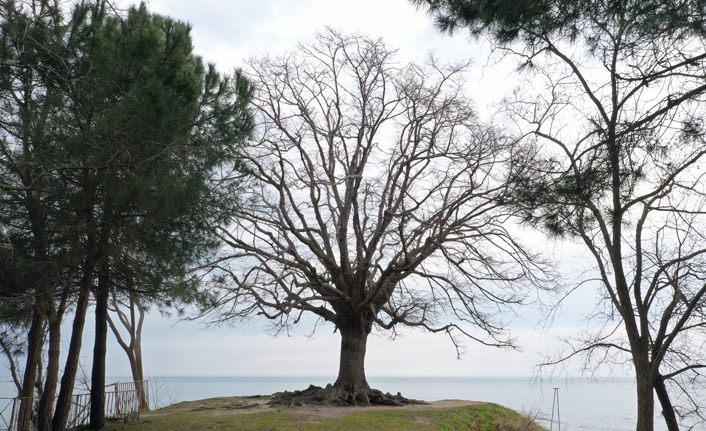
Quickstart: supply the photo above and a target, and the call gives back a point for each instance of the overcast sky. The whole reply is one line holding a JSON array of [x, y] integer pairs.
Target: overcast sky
[[226, 33]]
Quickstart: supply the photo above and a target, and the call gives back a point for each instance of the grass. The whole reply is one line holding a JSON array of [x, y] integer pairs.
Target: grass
[[483, 417]]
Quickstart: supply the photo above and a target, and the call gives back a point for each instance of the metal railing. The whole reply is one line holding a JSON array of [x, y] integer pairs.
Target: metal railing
[[79, 412], [121, 399], [9, 413]]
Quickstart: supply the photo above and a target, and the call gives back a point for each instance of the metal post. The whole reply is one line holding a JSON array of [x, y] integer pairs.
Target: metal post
[[13, 416], [555, 404]]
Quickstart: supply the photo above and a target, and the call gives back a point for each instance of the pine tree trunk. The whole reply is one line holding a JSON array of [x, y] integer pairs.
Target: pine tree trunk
[[668, 413], [46, 403], [35, 339], [97, 421], [63, 402]]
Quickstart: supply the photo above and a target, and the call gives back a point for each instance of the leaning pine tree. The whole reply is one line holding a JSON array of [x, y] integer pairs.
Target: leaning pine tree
[[373, 204]]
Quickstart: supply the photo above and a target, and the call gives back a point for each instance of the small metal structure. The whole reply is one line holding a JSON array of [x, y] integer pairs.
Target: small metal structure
[[555, 404], [126, 398], [8, 413], [121, 399]]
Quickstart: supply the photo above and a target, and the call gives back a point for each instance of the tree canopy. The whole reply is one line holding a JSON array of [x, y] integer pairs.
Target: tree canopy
[[114, 138], [529, 20], [373, 202], [614, 158]]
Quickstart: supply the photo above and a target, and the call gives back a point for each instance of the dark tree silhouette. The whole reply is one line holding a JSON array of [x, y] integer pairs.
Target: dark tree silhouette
[[616, 160], [111, 134], [374, 203]]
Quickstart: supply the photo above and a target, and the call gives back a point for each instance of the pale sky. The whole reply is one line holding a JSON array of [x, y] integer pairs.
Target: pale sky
[[226, 33]]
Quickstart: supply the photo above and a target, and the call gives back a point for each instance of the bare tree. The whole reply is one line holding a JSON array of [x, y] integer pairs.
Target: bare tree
[[131, 315], [374, 203], [617, 143]]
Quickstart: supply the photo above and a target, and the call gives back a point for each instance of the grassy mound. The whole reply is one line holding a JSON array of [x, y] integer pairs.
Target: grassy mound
[[251, 414], [485, 417]]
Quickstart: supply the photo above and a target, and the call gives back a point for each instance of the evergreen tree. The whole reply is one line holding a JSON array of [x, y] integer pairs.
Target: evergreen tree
[[109, 168], [615, 156], [156, 124], [39, 243]]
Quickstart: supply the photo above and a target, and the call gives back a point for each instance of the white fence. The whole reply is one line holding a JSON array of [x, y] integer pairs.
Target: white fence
[[121, 399]]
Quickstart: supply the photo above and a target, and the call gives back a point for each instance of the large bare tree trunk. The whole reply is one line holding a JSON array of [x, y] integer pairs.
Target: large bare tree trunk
[[351, 368], [63, 402], [351, 387], [97, 421]]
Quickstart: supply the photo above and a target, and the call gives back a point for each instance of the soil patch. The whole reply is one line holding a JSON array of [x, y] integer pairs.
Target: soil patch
[[259, 403]]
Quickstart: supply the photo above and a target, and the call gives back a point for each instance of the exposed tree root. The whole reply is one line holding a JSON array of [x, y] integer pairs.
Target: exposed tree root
[[339, 396]]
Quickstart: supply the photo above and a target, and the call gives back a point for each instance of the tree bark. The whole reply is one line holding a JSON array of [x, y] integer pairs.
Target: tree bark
[[135, 359], [668, 413], [645, 403], [35, 339], [97, 421], [138, 377], [46, 402], [351, 387], [351, 368], [351, 381], [63, 402]]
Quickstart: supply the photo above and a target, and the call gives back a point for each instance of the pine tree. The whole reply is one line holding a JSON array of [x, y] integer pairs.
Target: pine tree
[[110, 169], [615, 151]]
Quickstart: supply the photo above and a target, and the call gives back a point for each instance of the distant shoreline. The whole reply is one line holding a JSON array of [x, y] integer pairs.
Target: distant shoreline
[[333, 377]]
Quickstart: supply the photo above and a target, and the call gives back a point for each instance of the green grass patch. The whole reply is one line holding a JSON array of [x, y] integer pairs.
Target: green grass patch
[[485, 417]]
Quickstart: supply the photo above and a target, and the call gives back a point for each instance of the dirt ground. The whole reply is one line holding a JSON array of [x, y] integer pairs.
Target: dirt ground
[[258, 403]]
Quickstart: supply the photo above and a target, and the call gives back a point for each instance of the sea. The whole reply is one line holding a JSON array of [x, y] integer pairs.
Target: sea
[[567, 404]]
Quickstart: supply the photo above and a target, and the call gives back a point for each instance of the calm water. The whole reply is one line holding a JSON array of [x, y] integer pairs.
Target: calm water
[[606, 405]]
